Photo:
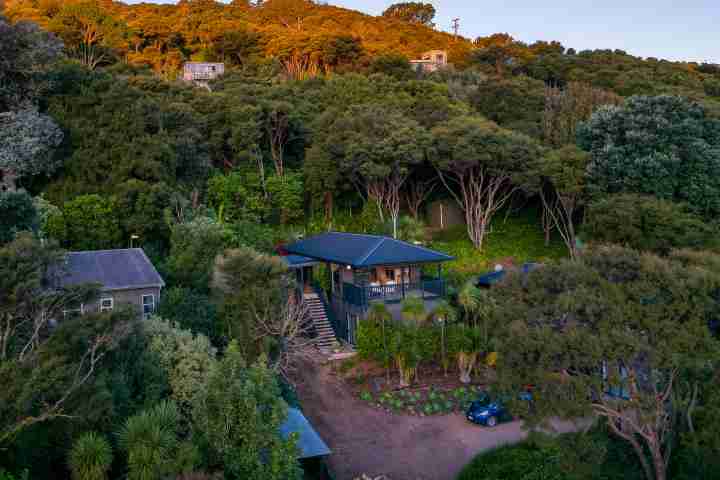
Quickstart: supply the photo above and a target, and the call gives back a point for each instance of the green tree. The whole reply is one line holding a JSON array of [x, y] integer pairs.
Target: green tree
[[412, 12], [378, 147], [26, 54], [27, 142], [89, 222], [193, 248], [663, 146], [90, 457], [559, 179], [153, 443], [481, 166], [393, 65], [187, 358], [17, 214], [647, 223], [239, 415], [592, 336], [190, 310]]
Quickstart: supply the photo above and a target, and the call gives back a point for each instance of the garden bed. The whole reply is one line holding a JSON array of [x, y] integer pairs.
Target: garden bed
[[434, 394]]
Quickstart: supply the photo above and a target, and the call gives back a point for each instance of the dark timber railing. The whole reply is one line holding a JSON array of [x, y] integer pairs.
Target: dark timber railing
[[361, 296]]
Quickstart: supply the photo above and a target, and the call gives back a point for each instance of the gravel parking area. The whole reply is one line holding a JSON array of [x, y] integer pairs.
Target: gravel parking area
[[403, 447]]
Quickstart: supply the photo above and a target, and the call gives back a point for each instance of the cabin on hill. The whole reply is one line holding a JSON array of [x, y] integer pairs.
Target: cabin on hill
[[363, 270], [430, 61], [125, 276], [202, 72]]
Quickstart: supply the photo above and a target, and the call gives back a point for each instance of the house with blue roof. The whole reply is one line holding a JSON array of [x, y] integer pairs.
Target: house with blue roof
[[363, 269]]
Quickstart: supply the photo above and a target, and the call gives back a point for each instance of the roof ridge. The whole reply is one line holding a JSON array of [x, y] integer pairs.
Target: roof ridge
[[107, 250], [372, 250]]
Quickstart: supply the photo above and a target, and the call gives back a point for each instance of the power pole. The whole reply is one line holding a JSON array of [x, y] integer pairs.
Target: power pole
[[456, 26]]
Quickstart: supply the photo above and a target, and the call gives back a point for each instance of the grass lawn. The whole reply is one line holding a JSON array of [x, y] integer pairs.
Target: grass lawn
[[518, 236]]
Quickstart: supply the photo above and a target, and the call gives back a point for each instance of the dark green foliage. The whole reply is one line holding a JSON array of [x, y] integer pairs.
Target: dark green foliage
[[663, 146], [190, 310], [17, 214], [412, 12], [89, 222], [193, 248], [514, 103], [647, 223], [575, 456], [393, 65]]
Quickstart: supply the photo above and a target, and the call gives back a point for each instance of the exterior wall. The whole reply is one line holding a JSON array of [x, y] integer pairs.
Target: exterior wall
[[202, 71], [125, 297]]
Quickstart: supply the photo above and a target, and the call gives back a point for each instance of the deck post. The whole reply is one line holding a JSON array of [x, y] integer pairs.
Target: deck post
[[402, 281]]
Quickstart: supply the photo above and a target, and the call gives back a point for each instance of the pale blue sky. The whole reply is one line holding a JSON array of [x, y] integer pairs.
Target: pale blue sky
[[669, 29]]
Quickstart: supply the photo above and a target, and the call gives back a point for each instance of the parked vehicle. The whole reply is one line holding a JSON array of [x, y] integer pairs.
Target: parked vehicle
[[491, 412]]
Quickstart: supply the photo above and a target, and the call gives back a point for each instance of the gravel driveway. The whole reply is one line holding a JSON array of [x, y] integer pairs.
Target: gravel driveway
[[403, 447]]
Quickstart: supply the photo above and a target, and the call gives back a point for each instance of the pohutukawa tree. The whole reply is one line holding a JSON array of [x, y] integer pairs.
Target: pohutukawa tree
[[559, 179], [613, 335], [481, 165], [377, 147]]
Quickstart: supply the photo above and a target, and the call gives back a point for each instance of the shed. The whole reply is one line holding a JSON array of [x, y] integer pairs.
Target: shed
[[309, 442]]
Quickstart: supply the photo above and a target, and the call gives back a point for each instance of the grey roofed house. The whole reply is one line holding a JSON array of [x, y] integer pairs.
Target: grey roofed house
[[309, 442], [125, 276], [121, 269]]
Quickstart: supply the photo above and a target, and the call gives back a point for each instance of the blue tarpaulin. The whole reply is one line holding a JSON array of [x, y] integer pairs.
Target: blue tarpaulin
[[492, 278]]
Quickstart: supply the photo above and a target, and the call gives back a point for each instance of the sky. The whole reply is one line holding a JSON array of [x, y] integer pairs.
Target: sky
[[668, 29]]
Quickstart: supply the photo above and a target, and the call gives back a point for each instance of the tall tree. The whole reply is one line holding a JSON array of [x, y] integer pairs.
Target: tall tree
[[412, 12], [594, 338], [378, 147], [559, 178], [664, 146], [481, 165], [27, 142], [239, 415]]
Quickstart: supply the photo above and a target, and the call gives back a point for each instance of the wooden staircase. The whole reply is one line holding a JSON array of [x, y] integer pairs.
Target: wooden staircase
[[325, 339]]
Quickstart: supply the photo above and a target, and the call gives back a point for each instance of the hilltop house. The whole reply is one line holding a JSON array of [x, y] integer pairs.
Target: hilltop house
[[202, 72], [361, 270], [430, 61], [125, 276]]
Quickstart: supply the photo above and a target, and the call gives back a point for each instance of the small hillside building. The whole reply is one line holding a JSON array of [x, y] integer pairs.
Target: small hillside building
[[430, 61], [202, 72], [362, 270], [125, 277]]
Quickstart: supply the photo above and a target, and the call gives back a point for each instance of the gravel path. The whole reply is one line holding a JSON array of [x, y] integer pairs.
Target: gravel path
[[403, 447]]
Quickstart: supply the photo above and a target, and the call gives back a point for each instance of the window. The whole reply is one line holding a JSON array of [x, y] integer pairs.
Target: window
[[106, 304], [148, 305], [73, 312], [390, 274]]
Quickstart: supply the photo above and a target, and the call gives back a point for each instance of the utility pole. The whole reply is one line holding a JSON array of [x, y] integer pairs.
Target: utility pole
[[456, 26]]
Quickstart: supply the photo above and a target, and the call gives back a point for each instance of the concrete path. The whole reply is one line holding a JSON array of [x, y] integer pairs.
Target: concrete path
[[403, 447]]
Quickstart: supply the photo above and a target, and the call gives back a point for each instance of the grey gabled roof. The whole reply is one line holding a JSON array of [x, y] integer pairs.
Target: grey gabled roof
[[363, 250], [309, 442], [122, 269]]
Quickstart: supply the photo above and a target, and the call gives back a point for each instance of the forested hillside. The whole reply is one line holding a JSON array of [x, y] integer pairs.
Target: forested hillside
[[318, 123]]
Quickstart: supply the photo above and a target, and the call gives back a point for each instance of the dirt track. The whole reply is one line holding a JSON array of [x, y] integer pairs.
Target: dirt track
[[367, 440]]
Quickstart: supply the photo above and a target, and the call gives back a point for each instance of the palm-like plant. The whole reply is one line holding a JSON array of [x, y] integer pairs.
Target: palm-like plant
[[444, 314], [380, 315], [150, 440], [90, 457]]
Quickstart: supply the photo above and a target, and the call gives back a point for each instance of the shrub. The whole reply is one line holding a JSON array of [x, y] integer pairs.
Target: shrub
[[90, 457]]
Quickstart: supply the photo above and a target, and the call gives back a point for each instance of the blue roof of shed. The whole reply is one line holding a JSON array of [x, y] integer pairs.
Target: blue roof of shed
[[494, 277], [363, 250], [309, 442], [121, 269]]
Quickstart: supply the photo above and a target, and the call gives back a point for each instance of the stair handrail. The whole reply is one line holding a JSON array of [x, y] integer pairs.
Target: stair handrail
[[329, 312]]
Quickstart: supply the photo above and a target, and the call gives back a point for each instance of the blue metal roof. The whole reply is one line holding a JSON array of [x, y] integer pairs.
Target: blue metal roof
[[120, 269], [493, 277], [296, 261], [363, 250], [309, 442]]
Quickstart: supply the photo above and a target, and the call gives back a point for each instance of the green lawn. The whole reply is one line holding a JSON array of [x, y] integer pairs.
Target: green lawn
[[518, 236]]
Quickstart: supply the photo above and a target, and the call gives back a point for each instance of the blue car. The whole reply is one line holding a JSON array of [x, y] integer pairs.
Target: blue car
[[489, 413]]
